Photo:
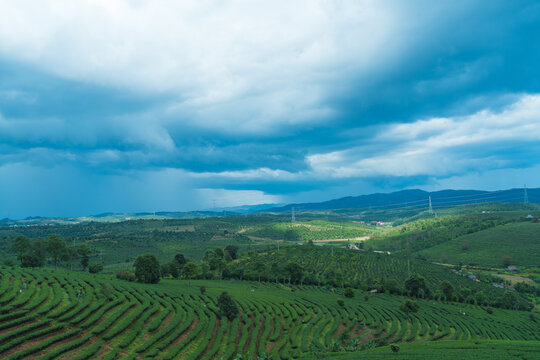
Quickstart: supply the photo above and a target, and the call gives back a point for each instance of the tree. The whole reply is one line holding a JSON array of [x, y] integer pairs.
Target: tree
[[20, 246], [290, 235], [258, 268], [507, 261], [84, 253], [409, 306], [509, 300], [391, 285], [480, 298], [340, 302], [447, 289], [39, 250], [232, 250], [174, 270], [57, 248], [72, 254], [31, 260], [217, 265], [219, 253], [295, 272], [208, 255], [202, 289], [464, 294], [189, 271], [180, 259], [416, 285], [147, 269], [348, 292], [227, 306]]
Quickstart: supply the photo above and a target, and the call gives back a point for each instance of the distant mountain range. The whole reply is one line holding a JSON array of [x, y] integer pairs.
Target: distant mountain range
[[409, 199], [115, 217], [417, 198]]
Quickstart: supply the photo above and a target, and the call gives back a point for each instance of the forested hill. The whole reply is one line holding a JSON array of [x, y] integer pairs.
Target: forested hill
[[418, 199]]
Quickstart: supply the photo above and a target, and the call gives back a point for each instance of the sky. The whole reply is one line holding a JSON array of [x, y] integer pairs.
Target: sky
[[134, 105]]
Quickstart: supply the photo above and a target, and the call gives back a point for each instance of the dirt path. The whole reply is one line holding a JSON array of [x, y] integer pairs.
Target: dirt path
[[513, 279]]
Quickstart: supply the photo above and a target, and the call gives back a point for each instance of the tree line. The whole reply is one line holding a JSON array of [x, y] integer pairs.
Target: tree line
[[35, 253]]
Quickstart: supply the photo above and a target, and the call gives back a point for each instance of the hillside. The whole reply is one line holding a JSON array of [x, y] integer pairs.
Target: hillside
[[449, 350], [64, 315], [519, 241]]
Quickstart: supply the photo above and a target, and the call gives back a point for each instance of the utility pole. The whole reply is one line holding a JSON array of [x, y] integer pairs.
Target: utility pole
[[293, 218]]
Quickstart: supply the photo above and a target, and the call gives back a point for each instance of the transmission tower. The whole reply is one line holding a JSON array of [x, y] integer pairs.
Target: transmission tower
[[293, 218], [525, 196], [430, 207]]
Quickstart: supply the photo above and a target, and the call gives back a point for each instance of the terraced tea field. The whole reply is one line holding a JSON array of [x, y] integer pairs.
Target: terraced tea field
[[81, 316]]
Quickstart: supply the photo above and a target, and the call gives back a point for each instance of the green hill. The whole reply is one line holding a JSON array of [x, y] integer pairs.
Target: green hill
[[449, 350], [520, 242], [76, 315]]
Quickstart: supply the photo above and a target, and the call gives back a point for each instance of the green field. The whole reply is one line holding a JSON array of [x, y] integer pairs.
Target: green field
[[519, 241], [448, 350], [323, 265], [121, 242], [118, 319]]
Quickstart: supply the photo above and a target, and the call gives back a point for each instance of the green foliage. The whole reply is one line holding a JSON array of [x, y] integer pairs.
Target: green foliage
[[125, 275], [498, 246], [57, 248], [415, 286], [447, 289], [20, 246], [189, 271], [84, 253], [509, 300], [70, 312], [409, 306], [340, 302], [95, 267], [147, 269], [427, 233], [349, 292], [227, 306]]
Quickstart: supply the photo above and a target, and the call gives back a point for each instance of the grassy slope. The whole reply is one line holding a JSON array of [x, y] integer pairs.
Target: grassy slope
[[309, 316], [450, 350], [520, 241]]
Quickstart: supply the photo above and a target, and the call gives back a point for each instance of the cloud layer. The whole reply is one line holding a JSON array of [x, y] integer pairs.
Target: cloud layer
[[142, 105]]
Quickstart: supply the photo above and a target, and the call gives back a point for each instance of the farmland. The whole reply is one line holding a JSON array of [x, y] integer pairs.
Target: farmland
[[520, 242], [80, 316], [299, 290]]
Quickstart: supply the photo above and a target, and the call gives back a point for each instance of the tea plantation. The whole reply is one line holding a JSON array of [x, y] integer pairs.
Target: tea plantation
[[50, 314]]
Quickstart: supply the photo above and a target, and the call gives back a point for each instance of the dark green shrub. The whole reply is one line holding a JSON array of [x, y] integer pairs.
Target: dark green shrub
[[125, 275], [227, 306], [95, 267]]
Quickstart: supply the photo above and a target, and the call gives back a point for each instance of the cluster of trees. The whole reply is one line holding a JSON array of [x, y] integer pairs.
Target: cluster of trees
[[508, 300], [34, 253]]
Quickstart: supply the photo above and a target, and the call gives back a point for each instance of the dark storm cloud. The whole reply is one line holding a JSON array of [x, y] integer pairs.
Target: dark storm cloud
[[349, 97]]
